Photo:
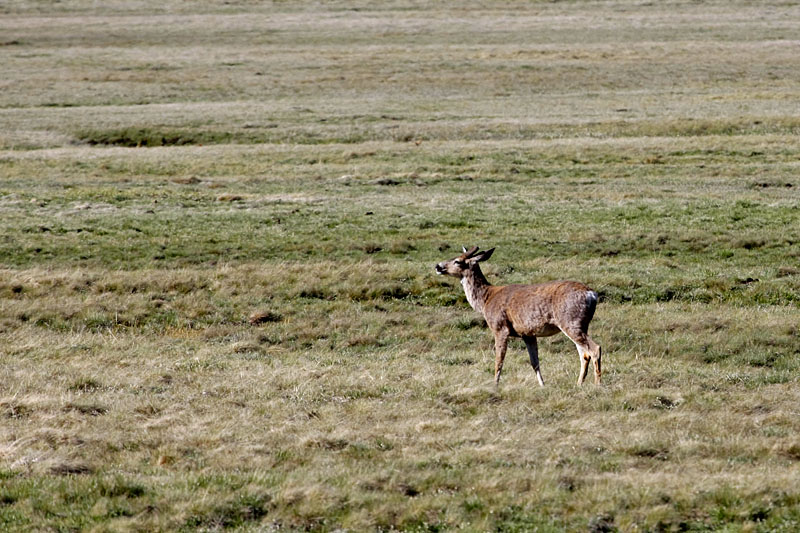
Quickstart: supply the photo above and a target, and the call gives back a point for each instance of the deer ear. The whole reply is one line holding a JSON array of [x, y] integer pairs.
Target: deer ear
[[482, 256], [464, 249]]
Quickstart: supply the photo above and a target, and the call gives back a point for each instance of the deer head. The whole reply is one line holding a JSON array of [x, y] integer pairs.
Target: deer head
[[468, 260]]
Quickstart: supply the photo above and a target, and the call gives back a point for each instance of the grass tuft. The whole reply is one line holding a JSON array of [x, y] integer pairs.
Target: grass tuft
[[149, 137]]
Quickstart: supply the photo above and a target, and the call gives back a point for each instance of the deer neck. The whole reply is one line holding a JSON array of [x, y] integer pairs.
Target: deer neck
[[476, 288]]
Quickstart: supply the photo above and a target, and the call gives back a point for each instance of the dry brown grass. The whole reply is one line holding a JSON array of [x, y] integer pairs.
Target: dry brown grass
[[352, 410]]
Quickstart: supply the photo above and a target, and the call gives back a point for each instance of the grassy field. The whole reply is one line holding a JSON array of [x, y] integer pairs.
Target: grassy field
[[169, 170]]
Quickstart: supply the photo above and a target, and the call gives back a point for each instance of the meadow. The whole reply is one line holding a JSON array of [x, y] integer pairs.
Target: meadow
[[218, 228]]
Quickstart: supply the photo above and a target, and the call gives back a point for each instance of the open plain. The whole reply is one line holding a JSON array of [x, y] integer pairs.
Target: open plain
[[218, 228]]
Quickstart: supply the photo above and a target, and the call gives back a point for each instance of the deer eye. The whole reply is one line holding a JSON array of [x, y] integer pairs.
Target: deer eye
[[460, 263]]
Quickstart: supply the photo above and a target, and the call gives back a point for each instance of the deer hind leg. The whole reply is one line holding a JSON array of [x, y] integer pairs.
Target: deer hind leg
[[584, 366], [596, 353], [500, 346], [533, 353], [587, 350]]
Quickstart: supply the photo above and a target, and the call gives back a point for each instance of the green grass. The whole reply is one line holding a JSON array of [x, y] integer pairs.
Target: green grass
[[218, 309]]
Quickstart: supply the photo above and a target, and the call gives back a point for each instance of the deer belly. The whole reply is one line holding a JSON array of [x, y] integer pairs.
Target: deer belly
[[547, 331], [533, 329]]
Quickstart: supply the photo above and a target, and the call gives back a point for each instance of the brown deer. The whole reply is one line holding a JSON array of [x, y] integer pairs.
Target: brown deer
[[528, 311]]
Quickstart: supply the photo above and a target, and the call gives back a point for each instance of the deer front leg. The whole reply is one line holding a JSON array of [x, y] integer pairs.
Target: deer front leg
[[533, 354], [500, 345]]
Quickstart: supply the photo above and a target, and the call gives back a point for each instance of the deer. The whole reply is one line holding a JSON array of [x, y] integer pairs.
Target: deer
[[528, 311]]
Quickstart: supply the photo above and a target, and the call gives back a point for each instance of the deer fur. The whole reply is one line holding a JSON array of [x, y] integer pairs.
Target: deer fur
[[528, 311]]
